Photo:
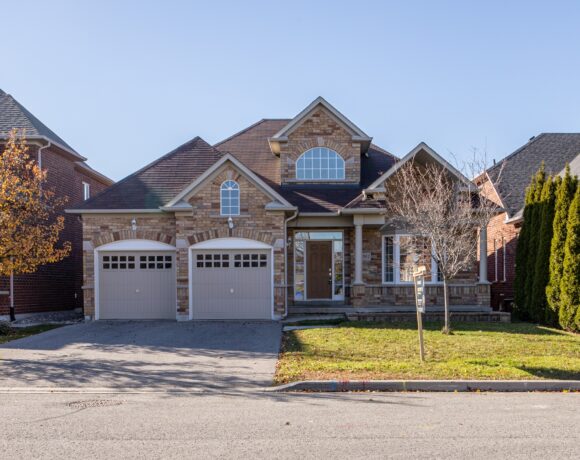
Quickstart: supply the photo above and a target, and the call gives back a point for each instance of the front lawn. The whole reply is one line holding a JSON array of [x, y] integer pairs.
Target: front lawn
[[19, 333], [367, 351]]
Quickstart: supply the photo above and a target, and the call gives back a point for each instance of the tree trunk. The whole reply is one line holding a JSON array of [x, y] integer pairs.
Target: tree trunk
[[446, 328]]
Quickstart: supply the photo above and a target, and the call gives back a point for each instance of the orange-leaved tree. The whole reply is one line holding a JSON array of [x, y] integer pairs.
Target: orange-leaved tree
[[30, 224]]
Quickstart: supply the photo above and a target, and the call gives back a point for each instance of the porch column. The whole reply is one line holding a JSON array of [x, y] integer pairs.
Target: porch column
[[483, 254], [358, 253]]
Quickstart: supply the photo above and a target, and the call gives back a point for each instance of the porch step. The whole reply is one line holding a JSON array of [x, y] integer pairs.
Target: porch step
[[347, 309], [319, 303], [293, 319]]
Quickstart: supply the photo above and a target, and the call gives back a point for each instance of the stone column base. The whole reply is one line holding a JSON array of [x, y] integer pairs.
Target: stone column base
[[357, 295]]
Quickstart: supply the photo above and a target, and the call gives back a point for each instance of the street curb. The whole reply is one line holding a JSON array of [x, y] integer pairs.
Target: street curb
[[333, 386]]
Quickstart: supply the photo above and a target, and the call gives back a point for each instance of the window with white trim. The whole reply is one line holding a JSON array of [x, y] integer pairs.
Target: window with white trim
[[401, 253], [320, 163], [230, 198], [86, 190]]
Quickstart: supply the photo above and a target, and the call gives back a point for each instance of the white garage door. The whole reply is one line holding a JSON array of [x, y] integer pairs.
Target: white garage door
[[231, 284], [137, 285]]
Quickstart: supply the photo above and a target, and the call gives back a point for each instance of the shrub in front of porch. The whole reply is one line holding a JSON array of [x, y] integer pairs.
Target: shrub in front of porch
[[374, 351]]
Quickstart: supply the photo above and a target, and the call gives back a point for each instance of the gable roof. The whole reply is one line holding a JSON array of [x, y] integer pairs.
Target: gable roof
[[421, 147], [15, 115], [252, 148], [158, 182], [187, 191], [516, 170], [358, 134]]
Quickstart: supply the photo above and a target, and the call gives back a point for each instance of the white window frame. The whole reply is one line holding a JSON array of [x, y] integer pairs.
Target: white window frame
[[317, 179], [397, 262], [86, 190], [222, 202]]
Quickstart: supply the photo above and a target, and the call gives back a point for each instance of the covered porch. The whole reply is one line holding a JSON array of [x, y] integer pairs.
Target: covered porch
[[350, 263]]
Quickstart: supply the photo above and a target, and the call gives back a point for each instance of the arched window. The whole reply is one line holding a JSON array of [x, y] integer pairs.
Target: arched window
[[230, 198], [320, 163]]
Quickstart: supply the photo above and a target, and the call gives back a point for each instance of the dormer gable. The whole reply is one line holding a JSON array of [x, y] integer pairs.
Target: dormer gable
[[320, 145]]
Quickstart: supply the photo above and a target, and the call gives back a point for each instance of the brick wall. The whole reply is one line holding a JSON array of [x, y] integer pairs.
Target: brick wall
[[320, 130], [55, 286], [502, 241]]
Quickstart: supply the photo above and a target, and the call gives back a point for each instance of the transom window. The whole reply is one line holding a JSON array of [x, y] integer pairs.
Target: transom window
[[320, 163], [401, 253], [230, 198]]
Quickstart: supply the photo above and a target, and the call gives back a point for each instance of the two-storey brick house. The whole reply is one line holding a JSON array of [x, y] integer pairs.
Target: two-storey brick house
[[57, 286], [505, 183], [284, 214]]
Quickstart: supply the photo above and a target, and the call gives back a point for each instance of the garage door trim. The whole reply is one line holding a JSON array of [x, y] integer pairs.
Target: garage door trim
[[230, 244], [123, 246]]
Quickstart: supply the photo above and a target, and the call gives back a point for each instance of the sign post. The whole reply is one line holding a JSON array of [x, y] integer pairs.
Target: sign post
[[419, 278]]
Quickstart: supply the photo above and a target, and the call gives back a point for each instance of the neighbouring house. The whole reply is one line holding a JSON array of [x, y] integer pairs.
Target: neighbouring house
[[285, 215], [56, 286], [505, 183]]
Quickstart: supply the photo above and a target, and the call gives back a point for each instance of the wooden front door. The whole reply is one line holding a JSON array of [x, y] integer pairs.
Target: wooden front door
[[319, 269]]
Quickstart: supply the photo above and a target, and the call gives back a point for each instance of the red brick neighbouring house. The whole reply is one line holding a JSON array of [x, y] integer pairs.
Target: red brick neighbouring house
[[53, 287], [505, 183], [283, 216]]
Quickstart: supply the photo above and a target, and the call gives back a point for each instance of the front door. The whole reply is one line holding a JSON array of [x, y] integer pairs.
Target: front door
[[319, 269]]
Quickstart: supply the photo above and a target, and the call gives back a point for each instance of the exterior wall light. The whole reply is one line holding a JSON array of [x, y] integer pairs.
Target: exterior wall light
[[230, 223], [134, 224]]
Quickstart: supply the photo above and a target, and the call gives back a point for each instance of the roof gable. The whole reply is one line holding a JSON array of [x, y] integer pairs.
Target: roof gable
[[421, 149], [282, 135], [189, 191]]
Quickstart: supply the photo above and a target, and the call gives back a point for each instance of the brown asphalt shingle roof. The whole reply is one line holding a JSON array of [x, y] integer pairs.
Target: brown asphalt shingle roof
[[157, 183], [513, 174]]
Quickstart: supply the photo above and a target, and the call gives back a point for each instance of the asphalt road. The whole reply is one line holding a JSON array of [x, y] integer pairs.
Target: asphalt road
[[255, 424]]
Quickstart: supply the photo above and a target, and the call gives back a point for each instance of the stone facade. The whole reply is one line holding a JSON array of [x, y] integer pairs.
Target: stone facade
[[321, 129], [184, 229], [99, 229]]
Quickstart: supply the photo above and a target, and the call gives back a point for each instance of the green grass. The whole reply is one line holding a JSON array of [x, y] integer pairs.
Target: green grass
[[19, 333], [360, 350]]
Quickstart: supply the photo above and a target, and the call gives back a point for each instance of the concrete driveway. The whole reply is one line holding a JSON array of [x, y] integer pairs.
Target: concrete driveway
[[144, 355]]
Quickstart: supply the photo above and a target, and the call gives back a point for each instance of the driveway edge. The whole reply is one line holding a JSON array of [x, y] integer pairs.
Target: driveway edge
[[332, 386]]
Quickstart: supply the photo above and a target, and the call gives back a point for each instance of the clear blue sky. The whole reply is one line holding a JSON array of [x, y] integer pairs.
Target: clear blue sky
[[126, 81]]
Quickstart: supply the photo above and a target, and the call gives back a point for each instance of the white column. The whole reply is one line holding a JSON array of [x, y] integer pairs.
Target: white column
[[483, 255], [358, 253]]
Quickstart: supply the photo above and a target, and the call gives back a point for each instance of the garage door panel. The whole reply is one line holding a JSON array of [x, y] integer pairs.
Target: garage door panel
[[139, 285], [231, 284]]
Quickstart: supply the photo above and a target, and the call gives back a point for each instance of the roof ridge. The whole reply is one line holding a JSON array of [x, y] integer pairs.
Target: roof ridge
[[148, 166], [253, 125], [515, 152]]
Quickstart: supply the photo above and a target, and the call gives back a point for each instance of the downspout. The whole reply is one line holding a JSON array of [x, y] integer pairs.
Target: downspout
[[292, 217]]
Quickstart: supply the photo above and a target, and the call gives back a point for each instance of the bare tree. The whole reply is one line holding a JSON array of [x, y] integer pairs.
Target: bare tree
[[446, 209]]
